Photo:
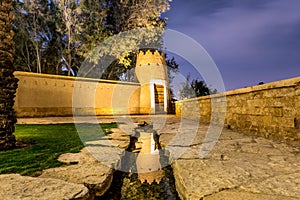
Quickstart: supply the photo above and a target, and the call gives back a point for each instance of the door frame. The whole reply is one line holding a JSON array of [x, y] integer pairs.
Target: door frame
[[152, 94]]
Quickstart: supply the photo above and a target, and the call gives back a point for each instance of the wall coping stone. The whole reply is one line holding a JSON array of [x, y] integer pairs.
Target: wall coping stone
[[51, 76], [292, 82]]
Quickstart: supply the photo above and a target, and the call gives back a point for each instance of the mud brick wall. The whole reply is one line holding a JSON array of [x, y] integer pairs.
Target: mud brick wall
[[42, 95], [270, 110]]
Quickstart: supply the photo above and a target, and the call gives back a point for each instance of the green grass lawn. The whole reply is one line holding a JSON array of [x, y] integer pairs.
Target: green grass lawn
[[48, 142]]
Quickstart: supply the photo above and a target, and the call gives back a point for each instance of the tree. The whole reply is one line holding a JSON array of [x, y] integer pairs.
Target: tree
[[56, 33], [201, 89], [142, 16], [131, 14], [36, 39], [50, 34], [186, 91], [92, 25], [173, 68], [23, 45], [54, 45], [194, 88], [83, 28], [8, 83], [69, 16]]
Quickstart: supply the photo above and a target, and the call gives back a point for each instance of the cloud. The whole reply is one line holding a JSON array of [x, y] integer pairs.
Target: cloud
[[261, 36]]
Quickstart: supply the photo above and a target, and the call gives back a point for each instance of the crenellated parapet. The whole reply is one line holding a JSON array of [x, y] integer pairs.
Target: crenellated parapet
[[149, 57], [151, 65]]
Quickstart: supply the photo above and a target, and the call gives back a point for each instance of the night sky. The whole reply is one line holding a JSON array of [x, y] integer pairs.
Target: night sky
[[250, 41]]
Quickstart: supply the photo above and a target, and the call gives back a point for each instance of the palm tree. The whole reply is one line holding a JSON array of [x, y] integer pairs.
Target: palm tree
[[8, 83]]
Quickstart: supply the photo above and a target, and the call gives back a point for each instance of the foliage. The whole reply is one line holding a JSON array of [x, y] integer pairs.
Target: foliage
[[135, 25], [128, 15], [48, 142], [194, 88], [55, 33], [115, 47], [173, 68], [201, 89], [33, 23]]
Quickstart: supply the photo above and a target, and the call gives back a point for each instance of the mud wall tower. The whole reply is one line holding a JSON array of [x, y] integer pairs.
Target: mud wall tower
[[151, 72]]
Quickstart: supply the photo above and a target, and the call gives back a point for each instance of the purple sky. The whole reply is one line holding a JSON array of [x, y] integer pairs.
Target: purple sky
[[249, 40]]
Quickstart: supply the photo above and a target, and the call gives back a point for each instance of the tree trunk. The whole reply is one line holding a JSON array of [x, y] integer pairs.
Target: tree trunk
[[28, 57], [36, 46], [8, 83], [38, 60]]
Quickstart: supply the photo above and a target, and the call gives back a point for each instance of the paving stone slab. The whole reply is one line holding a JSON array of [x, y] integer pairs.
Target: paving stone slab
[[256, 167], [17, 187]]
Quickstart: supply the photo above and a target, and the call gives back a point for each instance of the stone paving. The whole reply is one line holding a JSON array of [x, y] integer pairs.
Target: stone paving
[[17, 187], [88, 172], [94, 163], [238, 167]]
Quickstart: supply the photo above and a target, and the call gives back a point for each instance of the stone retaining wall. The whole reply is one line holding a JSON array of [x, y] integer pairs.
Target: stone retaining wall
[[271, 110], [42, 95]]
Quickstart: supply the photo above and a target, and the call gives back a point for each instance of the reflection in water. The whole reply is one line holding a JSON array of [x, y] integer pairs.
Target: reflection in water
[[147, 162], [151, 181]]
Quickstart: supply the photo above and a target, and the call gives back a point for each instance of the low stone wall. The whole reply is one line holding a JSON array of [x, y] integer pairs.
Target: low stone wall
[[41, 95], [271, 110]]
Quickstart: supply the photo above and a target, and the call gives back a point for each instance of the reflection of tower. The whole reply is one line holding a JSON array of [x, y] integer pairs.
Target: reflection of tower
[[151, 71]]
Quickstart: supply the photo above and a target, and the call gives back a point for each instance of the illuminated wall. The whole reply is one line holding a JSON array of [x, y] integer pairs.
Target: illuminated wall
[[271, 110], [40, 95]]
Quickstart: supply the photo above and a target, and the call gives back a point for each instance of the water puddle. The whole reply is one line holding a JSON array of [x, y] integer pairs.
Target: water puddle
[[141, 175]]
